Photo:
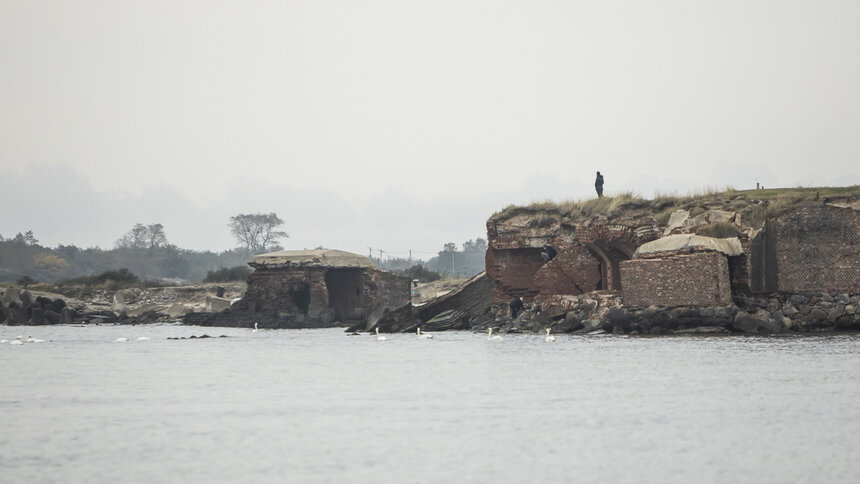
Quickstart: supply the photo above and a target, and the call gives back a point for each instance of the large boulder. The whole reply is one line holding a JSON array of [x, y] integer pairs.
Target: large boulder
[[568, 324], [10, 295], [752, 323], [177, 310], [43, 301], [676, 221], [52, 317], [216, 304], [37, 315]]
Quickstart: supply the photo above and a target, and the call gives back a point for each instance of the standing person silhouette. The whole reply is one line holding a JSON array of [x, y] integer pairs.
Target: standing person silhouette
[[598, 185]]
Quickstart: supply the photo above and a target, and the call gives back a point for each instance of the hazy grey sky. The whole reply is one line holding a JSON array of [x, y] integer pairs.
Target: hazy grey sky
[[404, 125]]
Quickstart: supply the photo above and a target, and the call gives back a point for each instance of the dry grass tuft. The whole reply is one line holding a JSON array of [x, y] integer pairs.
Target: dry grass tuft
[[755, 205], [542, 219]]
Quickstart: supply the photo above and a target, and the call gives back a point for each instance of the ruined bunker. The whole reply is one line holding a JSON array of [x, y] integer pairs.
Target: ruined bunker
[[321, 286]]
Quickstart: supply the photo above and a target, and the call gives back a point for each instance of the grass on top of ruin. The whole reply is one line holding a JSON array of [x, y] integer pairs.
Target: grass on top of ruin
[[756, 205]]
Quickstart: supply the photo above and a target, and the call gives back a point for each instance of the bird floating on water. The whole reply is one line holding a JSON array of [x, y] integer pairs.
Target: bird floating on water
[[120, 340], [549, 338], [490, 336], [16, 342], [256, 328], [143, 338], [379, 337], [424, 335]]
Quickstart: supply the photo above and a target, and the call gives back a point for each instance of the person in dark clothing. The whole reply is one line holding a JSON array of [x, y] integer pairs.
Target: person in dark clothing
[[598, 185], [548, 253], [516, 306]]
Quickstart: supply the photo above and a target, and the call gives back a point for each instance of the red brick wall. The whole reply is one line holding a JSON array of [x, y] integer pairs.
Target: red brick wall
[[513, 272], [574, 271], [818, 250], [698, 279]]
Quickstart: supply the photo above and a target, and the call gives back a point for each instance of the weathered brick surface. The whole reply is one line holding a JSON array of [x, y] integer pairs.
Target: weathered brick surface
[[574, 271], [812, 249], [324, 294], [512, 272], [588, 256], [698, 279]]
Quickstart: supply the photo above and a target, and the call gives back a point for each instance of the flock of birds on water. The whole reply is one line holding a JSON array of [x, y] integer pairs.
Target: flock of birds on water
[[379, 337]]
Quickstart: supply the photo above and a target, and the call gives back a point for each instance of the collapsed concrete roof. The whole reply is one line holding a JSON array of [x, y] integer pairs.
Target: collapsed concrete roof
[[691, 242], [310, 258]]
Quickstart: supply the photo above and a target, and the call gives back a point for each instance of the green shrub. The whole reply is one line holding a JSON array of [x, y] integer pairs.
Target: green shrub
[[227, 274], [112, 280], [25, 281], [421, 273], [697, 210], [720, 230]]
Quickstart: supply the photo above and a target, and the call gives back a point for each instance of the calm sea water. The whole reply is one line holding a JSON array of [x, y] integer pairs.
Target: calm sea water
[[321, 406]]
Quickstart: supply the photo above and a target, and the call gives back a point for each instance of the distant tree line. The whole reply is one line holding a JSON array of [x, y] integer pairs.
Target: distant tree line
[[449, 262], [144, 252]]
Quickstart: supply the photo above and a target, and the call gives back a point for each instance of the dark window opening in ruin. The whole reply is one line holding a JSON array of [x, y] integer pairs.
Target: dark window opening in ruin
[[602, 269], [301, 298], [344, 293]]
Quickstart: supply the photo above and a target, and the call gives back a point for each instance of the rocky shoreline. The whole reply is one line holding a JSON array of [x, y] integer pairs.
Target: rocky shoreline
[[778, 313], [21, 306], [464, 309]]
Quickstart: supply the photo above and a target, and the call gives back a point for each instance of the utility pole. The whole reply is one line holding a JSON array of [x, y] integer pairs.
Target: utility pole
[[370, 252], [380, 255], [410, 255]]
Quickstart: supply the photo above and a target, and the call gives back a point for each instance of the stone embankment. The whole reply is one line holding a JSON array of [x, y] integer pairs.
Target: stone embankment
[[127, 306], [604, 312]]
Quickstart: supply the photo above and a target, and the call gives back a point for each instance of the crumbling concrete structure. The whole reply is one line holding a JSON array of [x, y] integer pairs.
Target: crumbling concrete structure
[[321, 286]]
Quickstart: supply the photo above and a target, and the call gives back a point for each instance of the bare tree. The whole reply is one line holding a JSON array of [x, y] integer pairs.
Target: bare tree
[[143, 237], [256, 231], [155, 236]]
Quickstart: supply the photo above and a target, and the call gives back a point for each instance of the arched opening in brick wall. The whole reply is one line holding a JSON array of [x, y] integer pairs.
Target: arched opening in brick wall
[[610, 254]]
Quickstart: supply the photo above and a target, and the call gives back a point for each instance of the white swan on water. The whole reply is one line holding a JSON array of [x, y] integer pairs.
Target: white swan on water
[[143, 338], [424, 335], [16, 342], [379, 337], [120, 340], [490, 336], [549, 338], [256, 328], [35, 340]]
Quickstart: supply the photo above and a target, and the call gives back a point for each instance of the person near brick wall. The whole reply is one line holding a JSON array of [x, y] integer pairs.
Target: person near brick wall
[[516, 306], [548, 253], [598, 185]]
